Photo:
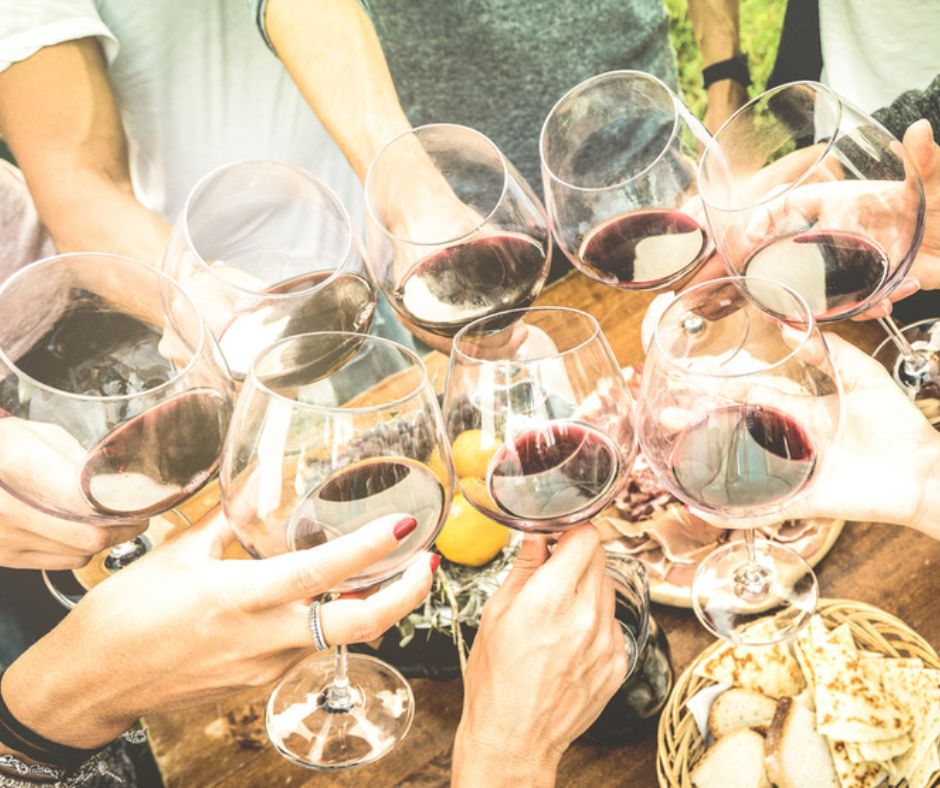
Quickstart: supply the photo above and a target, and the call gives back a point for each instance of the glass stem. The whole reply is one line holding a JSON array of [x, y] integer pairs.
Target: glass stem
[[915, 365], [339, 695], [752, 580]]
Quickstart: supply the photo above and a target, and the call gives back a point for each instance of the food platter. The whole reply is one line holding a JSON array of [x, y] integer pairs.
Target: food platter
[[681, 746]]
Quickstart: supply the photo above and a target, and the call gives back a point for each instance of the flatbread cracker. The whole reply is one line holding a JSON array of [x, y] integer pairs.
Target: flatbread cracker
[[851, 705], [771, 670], [854, 775]]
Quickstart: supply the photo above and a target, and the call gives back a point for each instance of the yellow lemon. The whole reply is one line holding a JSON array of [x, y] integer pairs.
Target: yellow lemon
[[473, 451], [469, 537]]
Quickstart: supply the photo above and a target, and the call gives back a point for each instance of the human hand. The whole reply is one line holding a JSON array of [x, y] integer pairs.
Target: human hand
[[181, 626], [44, 462], [548, 656], [884, 466]]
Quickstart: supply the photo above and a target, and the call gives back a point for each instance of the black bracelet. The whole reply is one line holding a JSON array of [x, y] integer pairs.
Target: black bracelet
[[733, 68], [15, 735]]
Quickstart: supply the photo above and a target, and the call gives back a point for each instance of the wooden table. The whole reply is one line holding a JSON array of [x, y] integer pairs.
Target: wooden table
[[893, 568]]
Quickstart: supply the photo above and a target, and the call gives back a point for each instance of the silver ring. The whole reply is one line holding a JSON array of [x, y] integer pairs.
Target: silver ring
[[316, 627]]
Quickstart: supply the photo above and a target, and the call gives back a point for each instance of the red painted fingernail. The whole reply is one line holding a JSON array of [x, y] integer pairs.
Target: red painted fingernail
[[435, 562], [404, 527]]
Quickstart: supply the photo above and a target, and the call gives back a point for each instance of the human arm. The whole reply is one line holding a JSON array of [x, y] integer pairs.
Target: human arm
[[60, 119], [331, 50], [716, 27], [138, 644], [548, 656]]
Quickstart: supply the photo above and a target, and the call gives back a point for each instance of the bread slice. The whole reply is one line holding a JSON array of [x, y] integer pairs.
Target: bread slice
[[797, 755], [734, 761], [737, 708]]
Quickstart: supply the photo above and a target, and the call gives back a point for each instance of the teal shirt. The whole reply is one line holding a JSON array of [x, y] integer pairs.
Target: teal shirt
[[500, 65]]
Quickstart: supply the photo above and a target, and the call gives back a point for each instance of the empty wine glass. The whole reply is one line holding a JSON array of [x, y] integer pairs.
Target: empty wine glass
[[99, 425], [332, 430], [737, 412], [802, 187], [268, 251], [619, 158], [551, 412], [454, 233]]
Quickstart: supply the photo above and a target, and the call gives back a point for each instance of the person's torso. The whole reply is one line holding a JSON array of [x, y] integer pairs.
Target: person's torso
[[875, 50], [198, 88], [500, 65]]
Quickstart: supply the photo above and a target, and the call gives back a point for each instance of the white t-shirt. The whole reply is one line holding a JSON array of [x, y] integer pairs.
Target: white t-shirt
[[874, 50], [196, 86]]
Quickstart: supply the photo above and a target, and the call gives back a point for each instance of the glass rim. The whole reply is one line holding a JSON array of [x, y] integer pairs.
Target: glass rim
[[714, 145], [420, 387], [809, 327], [349, 253], [178, 374], [415, 131], [633, 74], [596, 332]]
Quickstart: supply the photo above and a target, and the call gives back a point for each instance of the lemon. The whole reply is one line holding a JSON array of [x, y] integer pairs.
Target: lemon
[[436, 465], [473, 450], [469, 537]]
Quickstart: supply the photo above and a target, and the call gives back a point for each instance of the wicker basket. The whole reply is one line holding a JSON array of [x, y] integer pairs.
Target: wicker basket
[[679, 745]]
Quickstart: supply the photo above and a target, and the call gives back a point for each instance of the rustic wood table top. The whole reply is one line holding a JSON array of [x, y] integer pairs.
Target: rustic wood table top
[[892, 568]]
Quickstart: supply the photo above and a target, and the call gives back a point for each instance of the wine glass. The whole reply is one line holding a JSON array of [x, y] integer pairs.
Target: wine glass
[[619, 157], [268, 251], [99, 425], [332, 430], [919, 380], [551, 412], [454, 233], [738, 409], [802, 187]]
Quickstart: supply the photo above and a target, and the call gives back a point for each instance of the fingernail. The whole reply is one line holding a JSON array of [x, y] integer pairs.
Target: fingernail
[[435, 562], [404, 527]]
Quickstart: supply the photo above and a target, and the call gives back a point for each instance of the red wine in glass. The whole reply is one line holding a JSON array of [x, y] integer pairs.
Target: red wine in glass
[[346, 303], [351, 497], [561, 472], [460, 283], [643, 249], [834, 271], [158, 458], [742, 456]]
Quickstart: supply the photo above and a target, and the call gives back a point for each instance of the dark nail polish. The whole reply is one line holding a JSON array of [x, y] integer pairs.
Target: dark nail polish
[[435, 562], [404, 527]]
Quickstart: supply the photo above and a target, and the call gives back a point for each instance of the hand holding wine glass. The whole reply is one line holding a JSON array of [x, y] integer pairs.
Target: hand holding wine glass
[[454, 232], [331, 431], [884, 466], [548, 656], [247, 622], [739, 408]]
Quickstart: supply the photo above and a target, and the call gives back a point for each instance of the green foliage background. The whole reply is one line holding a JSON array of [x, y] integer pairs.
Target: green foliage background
[[761, 21]]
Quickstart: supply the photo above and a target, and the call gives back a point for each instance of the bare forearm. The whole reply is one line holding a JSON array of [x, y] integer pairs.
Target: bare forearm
[[331, 51], [86, 211], [717, 32], [479, 764]]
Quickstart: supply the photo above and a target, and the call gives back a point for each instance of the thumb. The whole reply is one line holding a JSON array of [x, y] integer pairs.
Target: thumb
[[532, 554], [918, 140]]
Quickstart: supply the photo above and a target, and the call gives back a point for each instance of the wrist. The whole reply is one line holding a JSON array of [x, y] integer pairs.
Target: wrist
[[927, 514], [482, 759], [71, 706]]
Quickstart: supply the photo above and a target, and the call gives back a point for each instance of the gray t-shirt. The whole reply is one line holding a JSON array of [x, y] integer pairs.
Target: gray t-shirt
[[499, 65]]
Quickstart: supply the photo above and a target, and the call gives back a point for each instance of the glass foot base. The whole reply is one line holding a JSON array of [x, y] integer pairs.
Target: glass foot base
[[305, 730], [729, 594], [68, 587]]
